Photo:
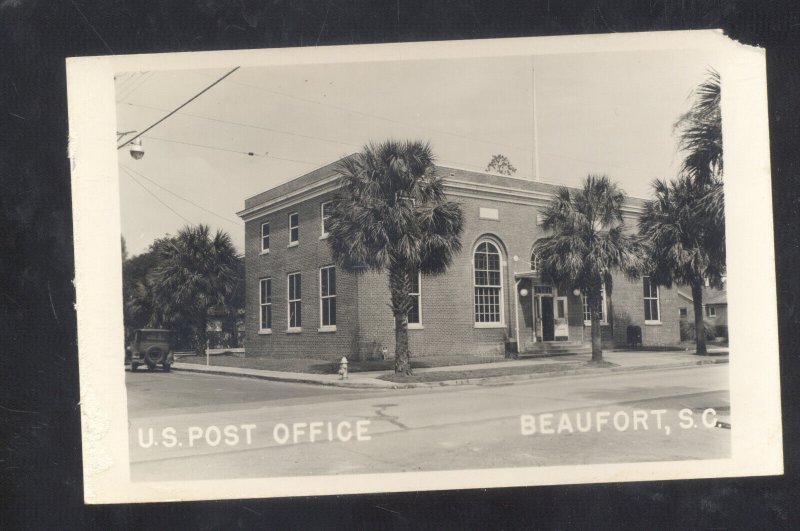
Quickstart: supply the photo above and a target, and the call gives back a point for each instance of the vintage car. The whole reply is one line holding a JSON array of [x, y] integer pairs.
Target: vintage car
[[151, 347]]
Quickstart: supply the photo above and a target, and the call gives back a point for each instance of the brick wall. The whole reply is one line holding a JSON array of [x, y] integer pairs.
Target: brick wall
[[307, 257], [448, 325], [364, 319], [627, 305]]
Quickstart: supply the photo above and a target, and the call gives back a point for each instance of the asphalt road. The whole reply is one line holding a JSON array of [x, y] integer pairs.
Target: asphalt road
[[193, 426]]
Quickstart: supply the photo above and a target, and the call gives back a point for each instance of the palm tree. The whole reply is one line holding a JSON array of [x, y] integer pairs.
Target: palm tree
[[195, 273], [700, 132], [683, 245], [391, 215], [588, 242]]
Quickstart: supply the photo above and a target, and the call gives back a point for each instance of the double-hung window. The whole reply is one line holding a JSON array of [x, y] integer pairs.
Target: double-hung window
[[711, 311], [294, 228], [587, 315], [265, 304], [294, 308], [488, 285], [327, 298], [325, 215], [651, 304], [415, 314], [264, 238]]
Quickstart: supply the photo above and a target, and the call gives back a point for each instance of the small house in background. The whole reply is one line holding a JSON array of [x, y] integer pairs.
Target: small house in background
[[715, 309]]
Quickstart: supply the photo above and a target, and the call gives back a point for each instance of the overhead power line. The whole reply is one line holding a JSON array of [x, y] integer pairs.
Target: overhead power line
[[375, 116], [235, 222], [131, 88], [155, 196], [252, 126], [187, 102], [248, 153]]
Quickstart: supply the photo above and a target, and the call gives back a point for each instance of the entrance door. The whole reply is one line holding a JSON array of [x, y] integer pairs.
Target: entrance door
[[548, 320]]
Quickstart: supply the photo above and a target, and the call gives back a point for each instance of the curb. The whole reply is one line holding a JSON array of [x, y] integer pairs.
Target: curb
[[286, 379], [556, 374], [451, 383]]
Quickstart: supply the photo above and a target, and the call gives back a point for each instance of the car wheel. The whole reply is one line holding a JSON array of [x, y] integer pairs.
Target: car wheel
[[154, 356]]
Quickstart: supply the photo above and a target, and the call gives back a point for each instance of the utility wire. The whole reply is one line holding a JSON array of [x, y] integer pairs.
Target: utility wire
[[368, 115], [253, 126], [187, 102], [156, 197], [136, 85], [180, 196], [248, 153]]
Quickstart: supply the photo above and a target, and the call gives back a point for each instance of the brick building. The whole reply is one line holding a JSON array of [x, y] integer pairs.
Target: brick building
[[299, 304]]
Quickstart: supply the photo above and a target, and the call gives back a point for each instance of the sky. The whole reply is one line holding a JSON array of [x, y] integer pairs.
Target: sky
[[594, 113]]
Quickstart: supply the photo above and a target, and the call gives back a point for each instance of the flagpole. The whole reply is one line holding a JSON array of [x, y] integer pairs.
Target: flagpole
[[535, 144]]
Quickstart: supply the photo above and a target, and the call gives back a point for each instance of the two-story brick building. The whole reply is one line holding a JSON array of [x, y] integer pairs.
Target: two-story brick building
[[300, 304]]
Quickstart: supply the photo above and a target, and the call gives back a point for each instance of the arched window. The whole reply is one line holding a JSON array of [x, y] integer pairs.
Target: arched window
[[488, 282], [535, 261]]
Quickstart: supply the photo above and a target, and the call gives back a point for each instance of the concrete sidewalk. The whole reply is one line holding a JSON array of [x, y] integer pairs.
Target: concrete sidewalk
[[568, 366]]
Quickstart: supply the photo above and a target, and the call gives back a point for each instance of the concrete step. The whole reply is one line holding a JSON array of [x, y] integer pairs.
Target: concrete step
[[556, 349]]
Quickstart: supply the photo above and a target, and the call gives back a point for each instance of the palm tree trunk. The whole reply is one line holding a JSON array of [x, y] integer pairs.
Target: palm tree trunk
[[594, 299], [402, 357], [399, 285], [699, 325], [201, 335]]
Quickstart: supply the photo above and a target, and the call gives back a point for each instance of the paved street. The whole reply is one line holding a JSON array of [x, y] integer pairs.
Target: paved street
[[198, 426]]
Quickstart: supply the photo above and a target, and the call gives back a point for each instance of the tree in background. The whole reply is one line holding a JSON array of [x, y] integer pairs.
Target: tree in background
[[195, 273], [699, 133], [391, 215], [684, 225], [588, 242], [681, 244], [500, 164]]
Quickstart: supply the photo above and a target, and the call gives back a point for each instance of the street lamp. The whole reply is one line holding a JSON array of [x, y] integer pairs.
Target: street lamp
[[136, 150]]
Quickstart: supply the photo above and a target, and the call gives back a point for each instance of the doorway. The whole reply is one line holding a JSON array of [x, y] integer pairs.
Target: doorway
[[548, 318]]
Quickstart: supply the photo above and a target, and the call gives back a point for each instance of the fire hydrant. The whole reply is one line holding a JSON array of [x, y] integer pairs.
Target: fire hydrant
[[343, 368]]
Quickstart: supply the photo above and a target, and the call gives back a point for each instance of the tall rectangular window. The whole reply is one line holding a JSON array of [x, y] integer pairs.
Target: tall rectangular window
[[587, 316], [327, 296], [415, 314], [294, 228], [325, 215], [265, 237], [294, 297], [487, 284], [651, 308], [711, 311], [265, 303]]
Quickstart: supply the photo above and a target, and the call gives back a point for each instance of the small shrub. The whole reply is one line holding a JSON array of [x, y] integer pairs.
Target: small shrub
[[688, 330]]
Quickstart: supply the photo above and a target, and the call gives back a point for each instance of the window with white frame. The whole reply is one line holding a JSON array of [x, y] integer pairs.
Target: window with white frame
[[294, 228], [327, 297], [415, 314], [587, 316], [488, 284], [711, 311], [265, 237], [536, 261], [325, 214], [651, 304], [294, 308], [265, 304]]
